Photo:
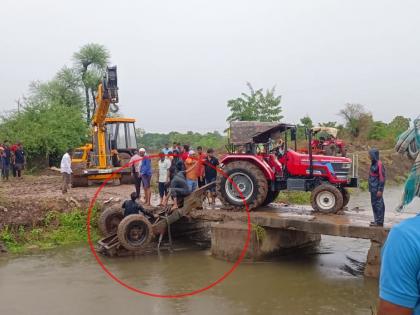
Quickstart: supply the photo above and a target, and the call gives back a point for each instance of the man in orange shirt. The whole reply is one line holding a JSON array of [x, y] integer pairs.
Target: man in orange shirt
[[200, 167], [191, 165]]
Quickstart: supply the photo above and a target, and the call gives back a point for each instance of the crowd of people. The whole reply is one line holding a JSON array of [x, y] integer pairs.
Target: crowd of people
[[12, 159], [181, 170]]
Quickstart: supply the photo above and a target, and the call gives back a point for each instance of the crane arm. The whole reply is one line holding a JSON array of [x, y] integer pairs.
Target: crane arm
[[107, 94]]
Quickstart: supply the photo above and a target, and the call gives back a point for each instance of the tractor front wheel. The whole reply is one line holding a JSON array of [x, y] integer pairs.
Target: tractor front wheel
[[250, 185], [79, 181], [327, 199]]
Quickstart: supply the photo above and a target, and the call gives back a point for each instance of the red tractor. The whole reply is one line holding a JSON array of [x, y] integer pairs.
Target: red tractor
[[324, 141], [261, 164]]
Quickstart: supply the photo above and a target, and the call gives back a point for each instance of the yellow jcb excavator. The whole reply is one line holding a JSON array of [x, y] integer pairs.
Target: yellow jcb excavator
[[113, 140]]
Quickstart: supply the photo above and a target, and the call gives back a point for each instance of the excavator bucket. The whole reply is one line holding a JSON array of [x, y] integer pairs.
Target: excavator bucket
[[110, 83]]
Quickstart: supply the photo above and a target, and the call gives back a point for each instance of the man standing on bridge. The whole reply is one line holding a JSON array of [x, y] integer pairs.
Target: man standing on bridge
[[376, 187]]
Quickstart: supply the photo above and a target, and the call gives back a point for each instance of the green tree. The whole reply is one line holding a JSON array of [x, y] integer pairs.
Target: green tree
[[91, 61], [307, 122], [379, 131], [63, 89], [51, 120], [398, 125], [358, 120], [255, 106]]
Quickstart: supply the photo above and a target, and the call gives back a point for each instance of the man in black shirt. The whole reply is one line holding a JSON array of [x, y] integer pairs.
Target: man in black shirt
[[179, 188], [19, 160], [211, 162], [132, 207]]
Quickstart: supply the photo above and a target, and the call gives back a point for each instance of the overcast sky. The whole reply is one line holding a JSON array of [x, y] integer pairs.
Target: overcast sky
[[180, 61]]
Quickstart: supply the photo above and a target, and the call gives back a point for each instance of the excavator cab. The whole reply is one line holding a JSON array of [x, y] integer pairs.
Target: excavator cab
[[122, 134]]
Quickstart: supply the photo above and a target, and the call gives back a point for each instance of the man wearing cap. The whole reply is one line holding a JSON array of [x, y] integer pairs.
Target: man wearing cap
[[145, 172]]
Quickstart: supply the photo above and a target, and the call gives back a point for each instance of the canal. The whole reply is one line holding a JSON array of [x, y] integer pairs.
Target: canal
[[322, 280]]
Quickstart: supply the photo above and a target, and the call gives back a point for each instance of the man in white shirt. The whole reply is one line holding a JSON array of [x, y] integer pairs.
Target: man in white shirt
[[65, 169], [163, 177]]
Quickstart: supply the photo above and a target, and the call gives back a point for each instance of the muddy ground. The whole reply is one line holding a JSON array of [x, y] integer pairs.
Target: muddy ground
[[26, 201]]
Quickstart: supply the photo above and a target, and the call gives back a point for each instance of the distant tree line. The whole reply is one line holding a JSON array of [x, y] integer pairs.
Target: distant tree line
[[359, 125], [157, 141]]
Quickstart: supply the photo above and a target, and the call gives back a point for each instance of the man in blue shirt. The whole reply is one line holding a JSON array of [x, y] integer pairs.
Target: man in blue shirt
[[399, 287]]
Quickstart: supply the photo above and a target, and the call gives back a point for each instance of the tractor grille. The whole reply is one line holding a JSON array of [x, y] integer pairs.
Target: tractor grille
[[341, 170]]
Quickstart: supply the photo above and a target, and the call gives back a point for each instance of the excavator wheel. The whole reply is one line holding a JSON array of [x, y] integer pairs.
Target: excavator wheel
[[126, 179], [79, 181], [109, 220], [327, 198], [135, 232], [249, 179]]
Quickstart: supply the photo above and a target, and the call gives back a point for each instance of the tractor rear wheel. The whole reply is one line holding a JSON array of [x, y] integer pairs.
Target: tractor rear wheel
[[109, 220], [135, 232], [326, 199], [271, 196], [249, 180]]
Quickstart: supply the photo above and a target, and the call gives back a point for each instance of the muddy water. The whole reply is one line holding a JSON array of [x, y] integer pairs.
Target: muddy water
[[68, 281]]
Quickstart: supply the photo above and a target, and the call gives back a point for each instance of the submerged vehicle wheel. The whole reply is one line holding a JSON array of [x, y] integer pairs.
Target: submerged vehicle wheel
[[135, 232], [250, 181], [271, 196], [109, 220], [346, 196], [327, 199]]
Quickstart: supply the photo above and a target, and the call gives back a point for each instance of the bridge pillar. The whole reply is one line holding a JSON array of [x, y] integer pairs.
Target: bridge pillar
[[228, 240], [373, 261]]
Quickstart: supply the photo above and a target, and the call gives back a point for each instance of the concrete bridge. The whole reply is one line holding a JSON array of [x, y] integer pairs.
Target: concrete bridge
[[276, 228]]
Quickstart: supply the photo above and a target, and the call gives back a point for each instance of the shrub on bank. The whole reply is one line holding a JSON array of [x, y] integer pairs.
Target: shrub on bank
[[58, 228]]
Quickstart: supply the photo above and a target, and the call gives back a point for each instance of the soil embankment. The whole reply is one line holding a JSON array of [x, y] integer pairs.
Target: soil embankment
[[27, 201]]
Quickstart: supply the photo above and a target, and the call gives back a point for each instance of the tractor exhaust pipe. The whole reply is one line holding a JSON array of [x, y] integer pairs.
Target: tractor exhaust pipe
[[311, 160]]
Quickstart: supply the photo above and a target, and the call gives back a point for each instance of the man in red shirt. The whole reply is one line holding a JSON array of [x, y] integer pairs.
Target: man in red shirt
[[185, 149]]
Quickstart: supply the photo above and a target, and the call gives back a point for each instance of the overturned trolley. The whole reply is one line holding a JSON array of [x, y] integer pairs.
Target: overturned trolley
[[135, 233]]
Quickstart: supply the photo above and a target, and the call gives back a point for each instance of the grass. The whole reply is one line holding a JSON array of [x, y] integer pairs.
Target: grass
[[295, 197], [58, 228]]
